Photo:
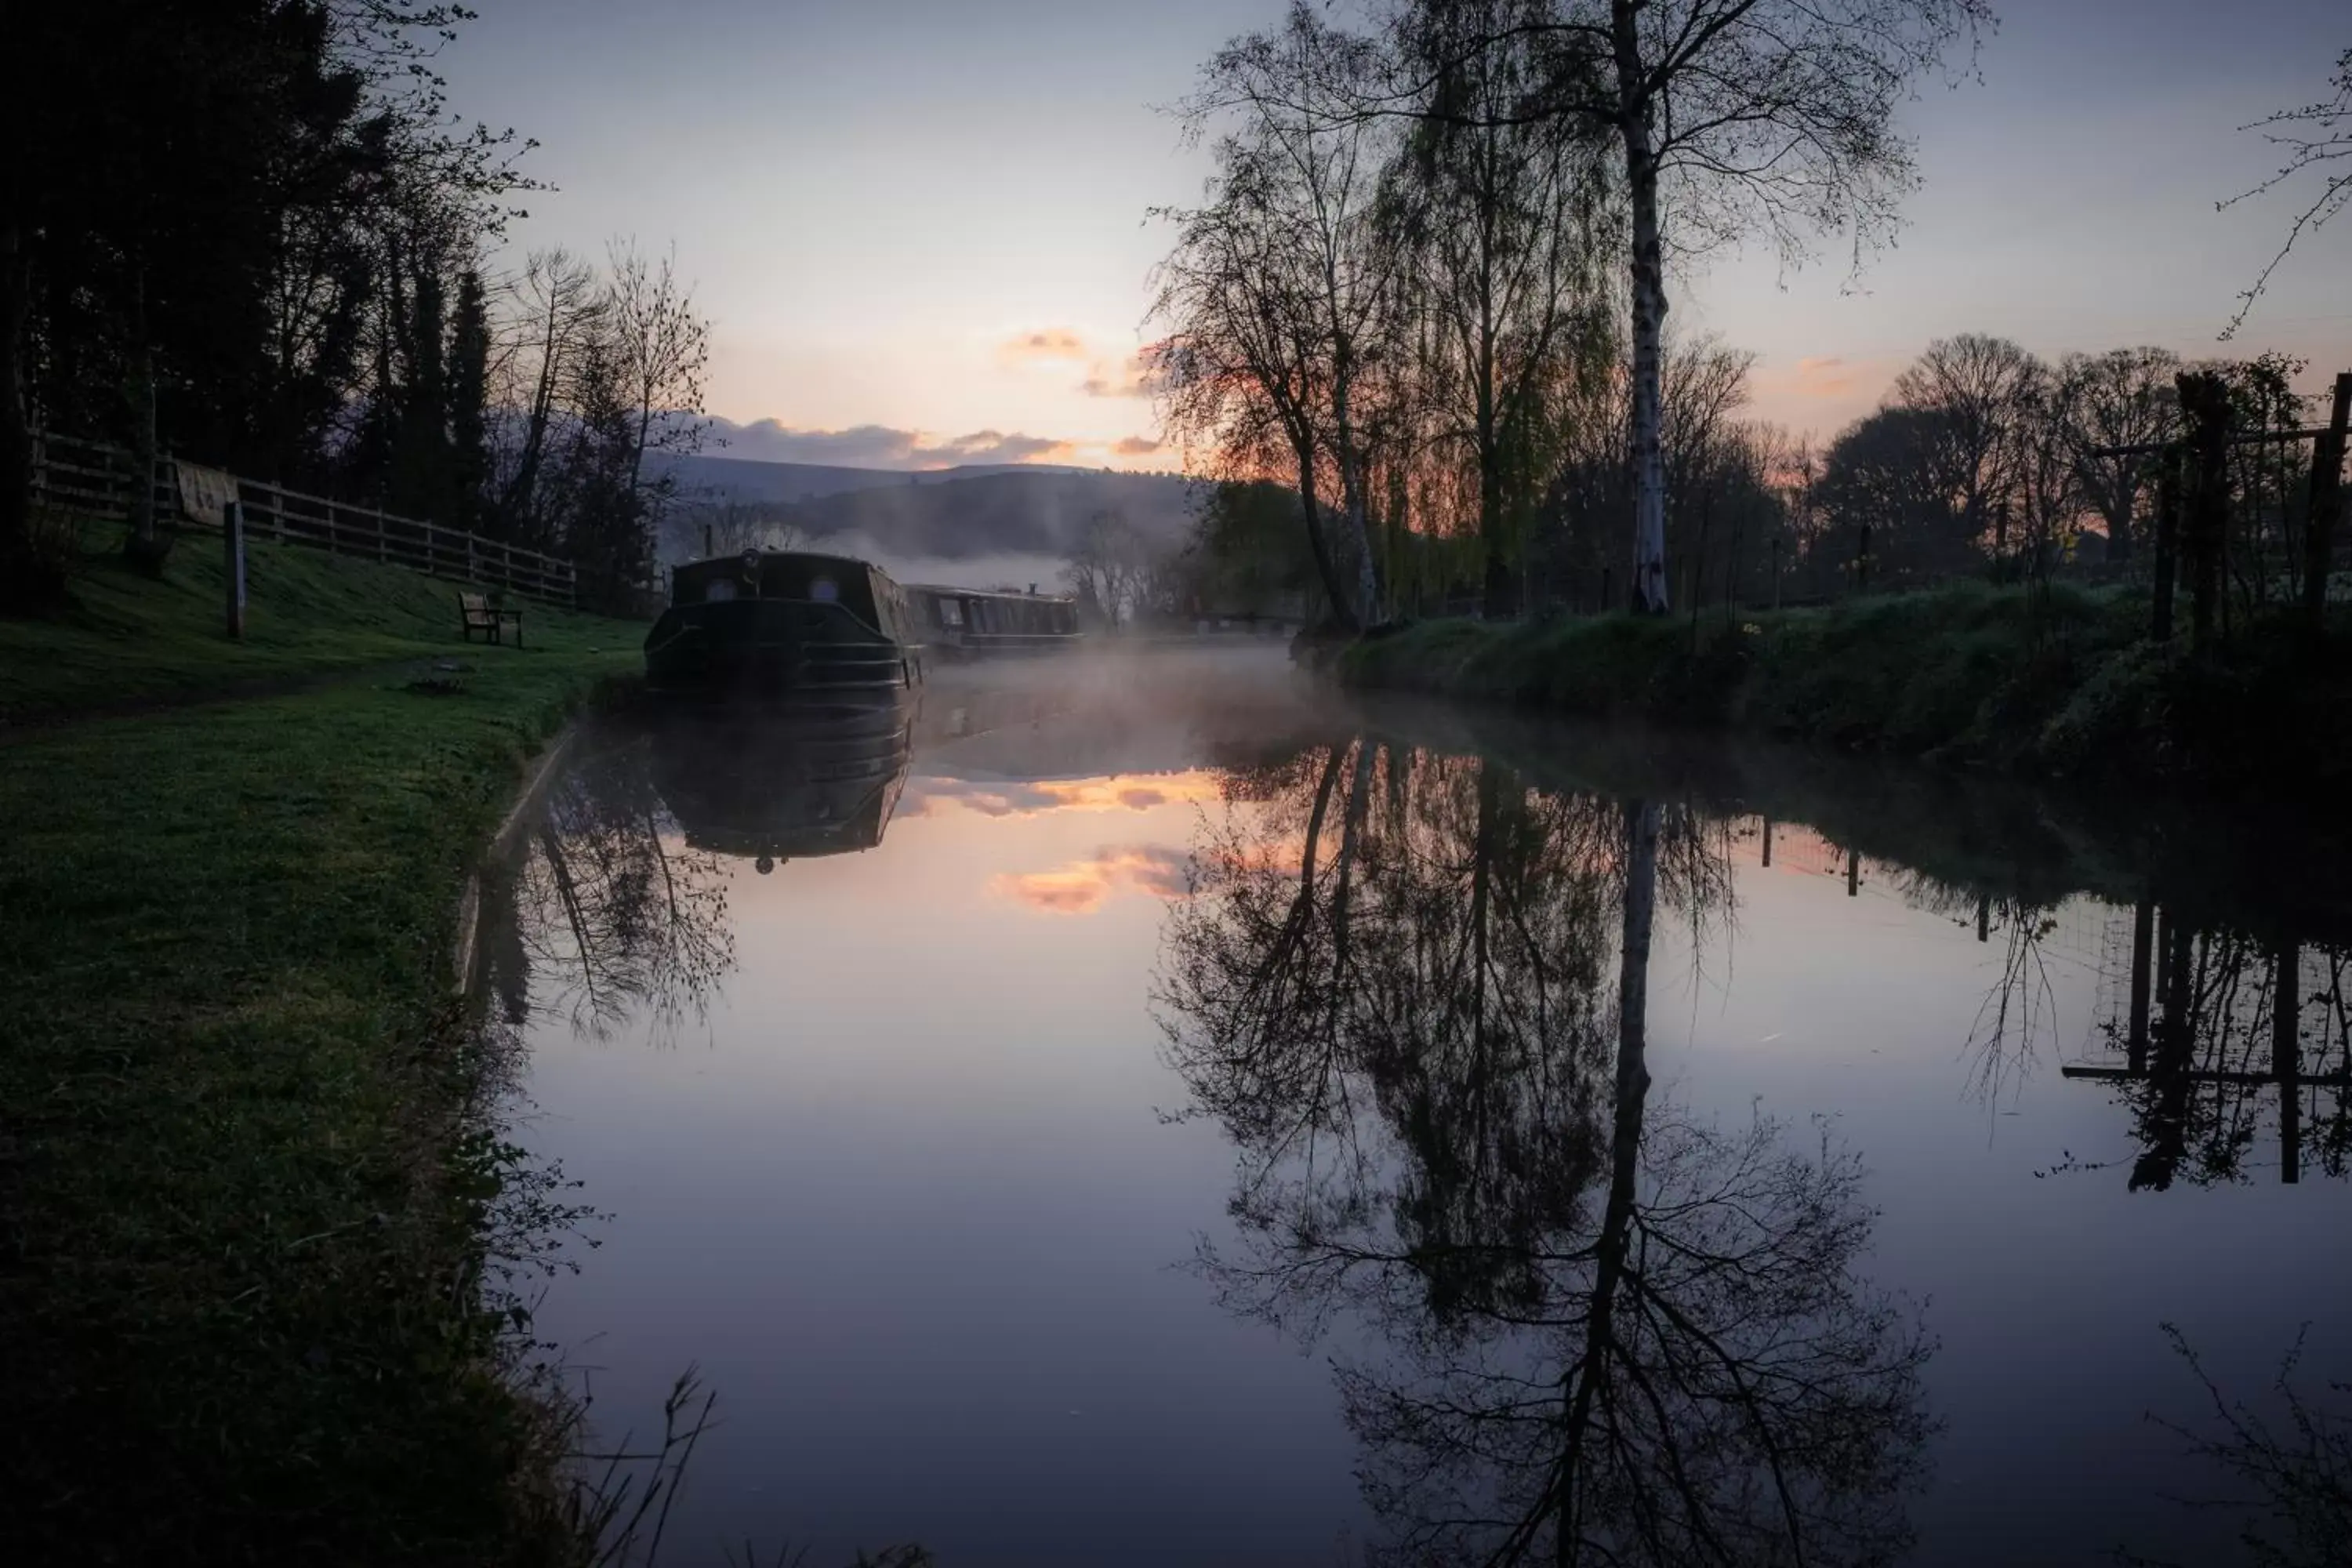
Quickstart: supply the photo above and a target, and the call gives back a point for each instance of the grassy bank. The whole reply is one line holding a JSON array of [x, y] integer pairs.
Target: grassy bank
[[129, 641], [240, 1192], [2064, 686]]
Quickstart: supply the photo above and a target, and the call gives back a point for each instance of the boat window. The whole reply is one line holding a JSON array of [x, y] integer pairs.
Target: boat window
[[824, 591], [718, 590], [951, 612]]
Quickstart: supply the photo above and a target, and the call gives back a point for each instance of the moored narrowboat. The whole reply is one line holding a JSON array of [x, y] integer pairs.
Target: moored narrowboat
[[972, 623], [788, 625]]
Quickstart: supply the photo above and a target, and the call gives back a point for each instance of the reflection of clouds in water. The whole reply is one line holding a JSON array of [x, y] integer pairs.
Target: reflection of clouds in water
[[1080, 887], [1026, 797]]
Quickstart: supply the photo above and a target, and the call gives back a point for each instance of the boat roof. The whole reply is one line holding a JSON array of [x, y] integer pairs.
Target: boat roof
[[989, 592]]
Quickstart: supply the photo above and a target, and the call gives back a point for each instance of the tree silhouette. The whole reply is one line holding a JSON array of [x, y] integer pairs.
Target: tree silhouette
[[1602, 1330], [605, 913]]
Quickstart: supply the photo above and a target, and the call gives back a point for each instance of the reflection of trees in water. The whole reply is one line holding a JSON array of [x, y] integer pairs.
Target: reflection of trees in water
[[1413, 992], [607, 910], [2289, 1473], [2214, 1036], [2220, 1032]]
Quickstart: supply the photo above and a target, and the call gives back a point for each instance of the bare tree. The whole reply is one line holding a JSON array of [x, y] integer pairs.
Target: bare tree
[[2123, 397], [2317, 141], [1276, 288], [1505, 223], [1735, 118], [1977, 389], [1107, 568], [662, 348], [557, 310]]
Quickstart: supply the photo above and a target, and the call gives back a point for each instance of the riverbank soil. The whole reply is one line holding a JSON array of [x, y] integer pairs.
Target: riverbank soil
[[241, 1196], [2061, 684]]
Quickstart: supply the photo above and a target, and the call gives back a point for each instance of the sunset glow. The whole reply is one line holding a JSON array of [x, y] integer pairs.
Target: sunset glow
[[911, 220]]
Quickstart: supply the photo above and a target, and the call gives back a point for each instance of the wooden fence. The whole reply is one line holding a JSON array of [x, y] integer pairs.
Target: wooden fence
[[97, 480]]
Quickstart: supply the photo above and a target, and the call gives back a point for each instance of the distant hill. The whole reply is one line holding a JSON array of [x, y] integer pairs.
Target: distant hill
[[1014, 512], [708, 474]]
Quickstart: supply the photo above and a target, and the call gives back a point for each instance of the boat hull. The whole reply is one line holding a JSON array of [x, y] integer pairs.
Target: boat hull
[[770, 650]]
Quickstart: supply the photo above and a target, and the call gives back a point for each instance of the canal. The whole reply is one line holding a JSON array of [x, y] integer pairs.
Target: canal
[[1161, 1111]]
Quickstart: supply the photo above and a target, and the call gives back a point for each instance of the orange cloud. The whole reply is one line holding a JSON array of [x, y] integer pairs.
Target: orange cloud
[[1021, 797], [1131, 379], [1137, 446], [1045, 343], [1822, 375], [1081, 886]]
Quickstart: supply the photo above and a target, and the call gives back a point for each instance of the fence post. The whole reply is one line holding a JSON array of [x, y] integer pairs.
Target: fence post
[[383, 551], [2205, 401], [2319, 532], [233, 578]]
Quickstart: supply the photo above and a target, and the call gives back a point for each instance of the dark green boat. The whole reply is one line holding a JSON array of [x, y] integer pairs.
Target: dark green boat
[[787, 626]]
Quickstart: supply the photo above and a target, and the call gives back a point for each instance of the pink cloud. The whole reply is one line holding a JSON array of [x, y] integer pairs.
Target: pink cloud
[[1131, 379], [1157, 870], [1045, 343]]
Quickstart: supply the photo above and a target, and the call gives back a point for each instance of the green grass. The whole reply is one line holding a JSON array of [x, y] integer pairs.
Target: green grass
[[127, 640], [1972, 676], [241, 1196]]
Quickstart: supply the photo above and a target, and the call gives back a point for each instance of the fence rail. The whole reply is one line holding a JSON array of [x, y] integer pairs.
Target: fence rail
[[97, 479]]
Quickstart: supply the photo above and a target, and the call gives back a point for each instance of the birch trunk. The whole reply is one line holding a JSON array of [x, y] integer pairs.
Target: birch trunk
[[1649, 581], [1594, 1366]]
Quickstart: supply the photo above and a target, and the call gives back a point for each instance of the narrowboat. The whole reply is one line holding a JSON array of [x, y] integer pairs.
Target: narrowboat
[[973, 623], [785, 624]]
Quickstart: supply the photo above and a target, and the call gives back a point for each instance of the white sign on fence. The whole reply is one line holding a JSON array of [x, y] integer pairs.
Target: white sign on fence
[[204, 492]]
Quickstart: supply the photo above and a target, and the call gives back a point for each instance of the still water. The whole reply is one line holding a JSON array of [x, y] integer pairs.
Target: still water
[[1162, 1112]]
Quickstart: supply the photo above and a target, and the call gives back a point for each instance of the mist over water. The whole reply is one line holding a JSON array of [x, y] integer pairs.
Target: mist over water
[[1150, 1108]]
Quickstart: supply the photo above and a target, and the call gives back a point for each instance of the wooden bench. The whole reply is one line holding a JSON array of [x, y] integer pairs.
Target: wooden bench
[[488, 620]]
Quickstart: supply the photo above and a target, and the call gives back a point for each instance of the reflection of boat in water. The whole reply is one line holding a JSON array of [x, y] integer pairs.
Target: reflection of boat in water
[[786, 626], [976, 623], [790, 787]]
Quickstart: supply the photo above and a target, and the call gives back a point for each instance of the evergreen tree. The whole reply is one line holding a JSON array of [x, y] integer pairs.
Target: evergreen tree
[[468, 395]]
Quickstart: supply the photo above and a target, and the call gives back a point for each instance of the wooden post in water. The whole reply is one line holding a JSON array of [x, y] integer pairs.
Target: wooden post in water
[[1768, 841], [1984, 916], [1853, 874], [2326, 499], [2287, 1013], [2143, 939], [233, 562]]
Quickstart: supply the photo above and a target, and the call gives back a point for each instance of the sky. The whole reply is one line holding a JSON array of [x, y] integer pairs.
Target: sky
[[920, 227]]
